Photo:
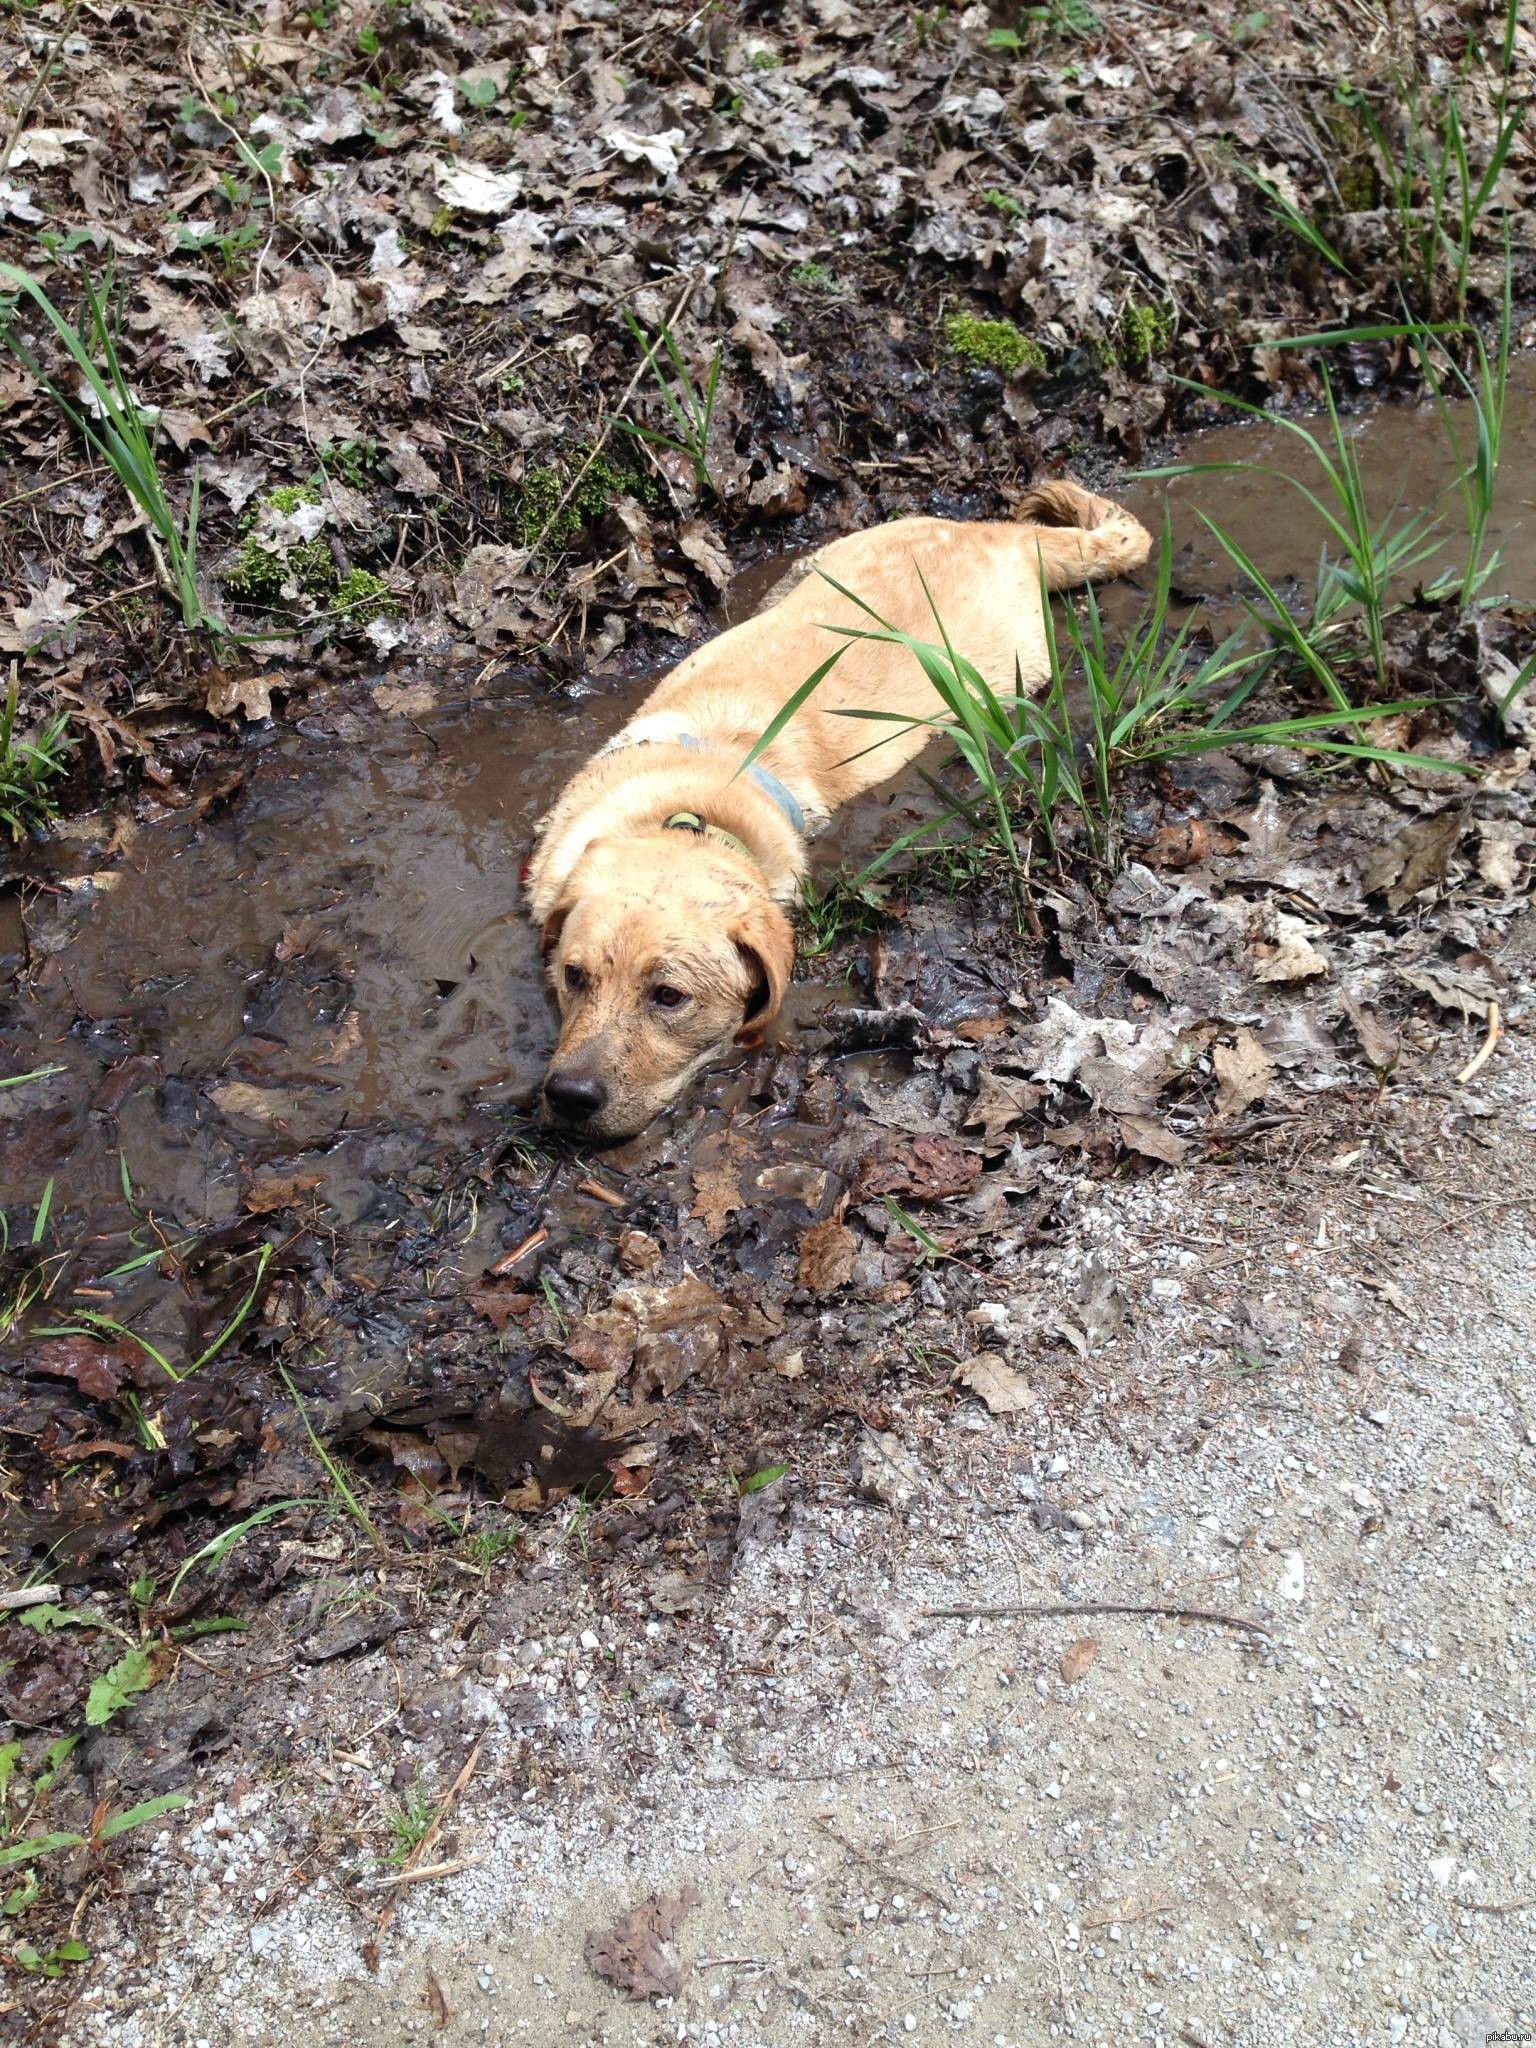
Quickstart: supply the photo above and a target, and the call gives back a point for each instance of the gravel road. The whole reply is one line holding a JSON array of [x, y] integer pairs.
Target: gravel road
[[1302, 1399]]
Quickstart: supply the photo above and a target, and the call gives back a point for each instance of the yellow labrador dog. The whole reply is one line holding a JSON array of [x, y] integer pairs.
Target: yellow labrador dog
[[661, 875]]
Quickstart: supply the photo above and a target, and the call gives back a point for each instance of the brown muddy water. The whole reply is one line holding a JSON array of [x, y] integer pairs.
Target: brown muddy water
[[334, 971]]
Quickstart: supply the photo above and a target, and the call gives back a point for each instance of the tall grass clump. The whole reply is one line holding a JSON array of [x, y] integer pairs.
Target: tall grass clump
[[1036, 757], [1435, 194], [114, 426], [29, 763], [692, 406], [1367, 557]]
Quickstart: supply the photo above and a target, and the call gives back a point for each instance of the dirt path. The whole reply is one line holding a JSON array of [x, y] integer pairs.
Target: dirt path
[[1307, 1407]]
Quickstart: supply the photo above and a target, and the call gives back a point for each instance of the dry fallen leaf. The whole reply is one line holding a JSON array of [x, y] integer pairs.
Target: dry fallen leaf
[[40, 619], [705, 549], [988, 1375], [1283, 949], [476, 188], [717, 1193], [1498, 853], [1381, 1047], [1245, 1072], [1415, 858], [1002, 1100], [639, 1952], [1146, 1135], [1076, 1658], [1469, 994], [827, 1254]]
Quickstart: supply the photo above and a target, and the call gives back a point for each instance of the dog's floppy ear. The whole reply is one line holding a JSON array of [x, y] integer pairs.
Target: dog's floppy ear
[[765, 938], [554, 924]]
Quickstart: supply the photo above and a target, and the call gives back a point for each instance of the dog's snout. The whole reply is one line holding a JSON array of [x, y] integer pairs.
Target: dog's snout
[[575, 1096]]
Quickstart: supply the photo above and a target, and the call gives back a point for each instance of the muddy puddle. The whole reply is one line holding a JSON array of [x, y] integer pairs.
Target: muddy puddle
[[330, 979]]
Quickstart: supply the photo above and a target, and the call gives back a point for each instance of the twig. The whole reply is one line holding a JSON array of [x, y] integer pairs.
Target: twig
[[599, 1193], [1480, 1059], [509, 1259], [29, 1596], [421, 1871], [1210, 1614], [1496, 1202], [415, 1863], [1506, 1906]]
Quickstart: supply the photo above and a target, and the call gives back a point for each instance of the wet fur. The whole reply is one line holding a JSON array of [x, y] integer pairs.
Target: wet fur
[[631, 906]]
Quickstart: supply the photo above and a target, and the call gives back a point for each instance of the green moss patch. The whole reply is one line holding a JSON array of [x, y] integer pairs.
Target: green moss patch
[[363, 596], [994, 344], [538, 504], [257, 575]]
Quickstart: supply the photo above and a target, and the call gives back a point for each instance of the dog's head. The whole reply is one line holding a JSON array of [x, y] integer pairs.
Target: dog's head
[[664, 953]]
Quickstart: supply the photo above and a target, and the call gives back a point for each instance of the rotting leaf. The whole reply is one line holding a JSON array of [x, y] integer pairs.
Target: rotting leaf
[[269, 1192], [97, 1369], [639, 1952], [928, 1169]]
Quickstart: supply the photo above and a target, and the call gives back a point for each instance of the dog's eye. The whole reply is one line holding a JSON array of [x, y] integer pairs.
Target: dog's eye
[[575, 980], [665, 997]]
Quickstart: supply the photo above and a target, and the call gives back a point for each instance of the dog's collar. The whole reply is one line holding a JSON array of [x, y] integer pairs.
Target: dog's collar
[[690, 821], [778, 794]]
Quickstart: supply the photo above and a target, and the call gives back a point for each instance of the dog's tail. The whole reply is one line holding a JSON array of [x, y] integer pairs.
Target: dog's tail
[[1082, 538]]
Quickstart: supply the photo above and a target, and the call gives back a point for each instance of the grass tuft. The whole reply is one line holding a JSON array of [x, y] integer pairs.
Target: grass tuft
[[30, 763], [112, 423]]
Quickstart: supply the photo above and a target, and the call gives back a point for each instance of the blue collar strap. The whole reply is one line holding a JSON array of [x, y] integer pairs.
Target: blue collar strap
[[770, 785]]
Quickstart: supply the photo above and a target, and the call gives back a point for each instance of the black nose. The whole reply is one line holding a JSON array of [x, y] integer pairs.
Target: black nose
[[574, 1096]]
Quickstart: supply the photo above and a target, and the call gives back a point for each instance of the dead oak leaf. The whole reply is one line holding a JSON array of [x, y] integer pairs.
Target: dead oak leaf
[[716, 1194], [41, 618], [827, 1254], [1144, 1134], [705, 549], [1245, 1072], [999, 1385], [639, 1953], [251, 696], [1002, 1100], [1282, 947], [926, 1168]]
